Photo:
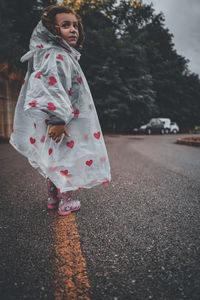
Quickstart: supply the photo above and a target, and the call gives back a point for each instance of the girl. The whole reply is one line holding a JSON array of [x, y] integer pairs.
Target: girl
[[56, 125]]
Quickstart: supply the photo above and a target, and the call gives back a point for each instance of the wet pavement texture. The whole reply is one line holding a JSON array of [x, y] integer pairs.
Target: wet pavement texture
[[139, 234]]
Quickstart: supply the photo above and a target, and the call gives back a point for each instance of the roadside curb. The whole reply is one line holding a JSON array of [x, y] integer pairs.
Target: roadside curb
[[188, 141]]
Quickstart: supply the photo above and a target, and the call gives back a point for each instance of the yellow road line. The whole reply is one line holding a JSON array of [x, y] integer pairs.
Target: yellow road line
[[71, 274]]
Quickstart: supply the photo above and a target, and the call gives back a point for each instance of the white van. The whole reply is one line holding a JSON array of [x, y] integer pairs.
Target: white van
[[174, 128], [170, 127], [166, 122]]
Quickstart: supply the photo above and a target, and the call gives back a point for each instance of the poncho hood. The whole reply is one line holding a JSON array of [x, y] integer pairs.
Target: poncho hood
[[42, 38]]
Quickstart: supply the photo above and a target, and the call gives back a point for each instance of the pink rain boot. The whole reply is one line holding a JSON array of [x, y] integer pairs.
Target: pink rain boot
[[66, 205], [52, 192]]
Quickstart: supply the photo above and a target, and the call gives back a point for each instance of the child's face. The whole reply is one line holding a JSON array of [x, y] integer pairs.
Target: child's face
[[68, 24]]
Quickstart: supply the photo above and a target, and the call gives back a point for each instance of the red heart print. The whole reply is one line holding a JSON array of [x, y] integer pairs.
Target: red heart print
[[38, 75], [33, 103], [59, 57], [32, 140], [94, 180], [72, 109], [50, 151], [40, 46], [86, 137], [51, 106], [70, 92], [89, 162], [76, 113], [80, 188], [52, 80], [47, 122], [76, 58], [23, 82], [97, 135], [35, 124], [70, 144], [104, 182], [79, 79], [102, 159], [42, 139], [52, 169], [64, 172], [47, 55]]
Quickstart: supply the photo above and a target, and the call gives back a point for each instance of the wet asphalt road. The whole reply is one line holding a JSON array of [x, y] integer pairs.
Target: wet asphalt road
[[139, 234]]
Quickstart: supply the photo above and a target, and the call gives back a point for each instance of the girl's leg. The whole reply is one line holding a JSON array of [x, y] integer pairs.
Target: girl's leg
[[52, 193], [66, 205]]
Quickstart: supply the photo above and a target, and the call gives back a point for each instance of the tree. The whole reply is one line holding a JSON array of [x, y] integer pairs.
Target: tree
[[115, 66], [172, 80], [131, 17], [17, 23]]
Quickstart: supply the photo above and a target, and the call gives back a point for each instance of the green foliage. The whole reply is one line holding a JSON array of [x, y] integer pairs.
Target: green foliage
[[133, 69], [17, 23], [117, 70], [178, 91]]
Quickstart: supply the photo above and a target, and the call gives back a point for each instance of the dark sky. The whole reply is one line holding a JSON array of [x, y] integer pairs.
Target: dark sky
[[183, 21]]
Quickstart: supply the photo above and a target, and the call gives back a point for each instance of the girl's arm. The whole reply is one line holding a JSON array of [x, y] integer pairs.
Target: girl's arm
[[53, 119], [57, 129]]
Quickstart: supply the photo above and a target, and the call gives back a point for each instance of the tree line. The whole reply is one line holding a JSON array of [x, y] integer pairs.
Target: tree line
[[129, 59]]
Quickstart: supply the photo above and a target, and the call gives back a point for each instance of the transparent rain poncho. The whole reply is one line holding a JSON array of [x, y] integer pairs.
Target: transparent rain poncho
[[55, 84]]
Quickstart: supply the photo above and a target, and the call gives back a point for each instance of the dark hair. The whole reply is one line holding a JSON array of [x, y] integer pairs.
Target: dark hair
[[49, 21]]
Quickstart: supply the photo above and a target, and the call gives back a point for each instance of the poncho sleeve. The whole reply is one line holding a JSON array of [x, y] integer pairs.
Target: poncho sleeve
[[54, 120], [49, 86]]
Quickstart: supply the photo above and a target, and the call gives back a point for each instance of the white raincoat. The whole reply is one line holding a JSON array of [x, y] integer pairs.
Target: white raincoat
[[56, 84]]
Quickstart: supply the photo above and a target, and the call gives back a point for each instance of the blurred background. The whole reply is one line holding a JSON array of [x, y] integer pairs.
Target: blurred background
[[129, 58]]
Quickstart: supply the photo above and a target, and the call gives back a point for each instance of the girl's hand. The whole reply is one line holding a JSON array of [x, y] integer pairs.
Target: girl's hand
[[56, 132]]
